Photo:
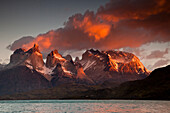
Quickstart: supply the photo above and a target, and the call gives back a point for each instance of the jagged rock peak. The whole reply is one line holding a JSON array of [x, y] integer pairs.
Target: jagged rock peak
[[54, 52], [94, 54], [19, 51], [31, 58], [69, 64], [35, 48], [77, 59], [86, 55], [69, 58], [53, 58], [94, 51], [91, 52], [17, 56]]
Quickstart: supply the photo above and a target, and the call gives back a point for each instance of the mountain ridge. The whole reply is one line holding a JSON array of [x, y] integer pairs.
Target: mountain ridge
[[95, 67], [154, 87]]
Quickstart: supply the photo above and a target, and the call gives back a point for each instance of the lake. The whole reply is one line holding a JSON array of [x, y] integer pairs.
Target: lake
[[84, 106]]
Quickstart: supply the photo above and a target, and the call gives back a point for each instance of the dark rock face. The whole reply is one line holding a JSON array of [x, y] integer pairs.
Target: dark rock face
[[69, 65], [17, 56], [21, 79], [60, 77], [81, 77], [69, 58], [19, 51], [58, 71], [1, 66]]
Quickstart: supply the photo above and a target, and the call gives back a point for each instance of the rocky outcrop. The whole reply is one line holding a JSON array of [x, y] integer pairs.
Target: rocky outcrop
[[35, 59], [53, 58], [31, 58], [81, 77], [113, 66], [17, 57], [127, 63]]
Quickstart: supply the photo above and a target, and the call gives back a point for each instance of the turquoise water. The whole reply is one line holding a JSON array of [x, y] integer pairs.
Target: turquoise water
[[84, 106]]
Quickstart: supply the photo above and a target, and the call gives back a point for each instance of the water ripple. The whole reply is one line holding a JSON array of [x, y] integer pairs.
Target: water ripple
[[84, 106]]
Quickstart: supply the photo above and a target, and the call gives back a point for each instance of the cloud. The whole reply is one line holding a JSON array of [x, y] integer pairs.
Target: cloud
[[74, 54], [161, 63], [151, 53], [4, 61], [118, 24], [90, 24], [19, 43], [117, 10], [157, 54]]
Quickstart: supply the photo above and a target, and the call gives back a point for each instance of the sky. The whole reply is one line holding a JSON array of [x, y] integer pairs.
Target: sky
[[72, 26], [19, 18]]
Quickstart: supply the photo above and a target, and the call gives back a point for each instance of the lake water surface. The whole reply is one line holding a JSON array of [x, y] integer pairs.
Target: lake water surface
[[84, 106]]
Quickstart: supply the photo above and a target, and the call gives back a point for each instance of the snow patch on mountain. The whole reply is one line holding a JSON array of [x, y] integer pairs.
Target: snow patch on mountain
[[29, 66], [89, 64], [68, 73], [46, 72]]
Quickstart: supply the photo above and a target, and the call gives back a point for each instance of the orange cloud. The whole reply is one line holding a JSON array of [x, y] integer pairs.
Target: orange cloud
[[92, 25], [43, 41], [118, 24]]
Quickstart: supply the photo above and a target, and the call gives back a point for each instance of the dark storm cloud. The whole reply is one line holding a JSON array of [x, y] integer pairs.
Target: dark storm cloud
[[117, 10]]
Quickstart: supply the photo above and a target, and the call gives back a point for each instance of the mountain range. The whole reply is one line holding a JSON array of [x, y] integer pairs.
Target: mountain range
[[97, 70]]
